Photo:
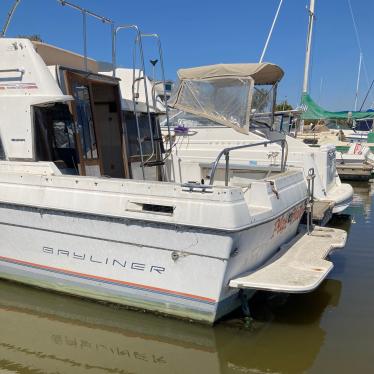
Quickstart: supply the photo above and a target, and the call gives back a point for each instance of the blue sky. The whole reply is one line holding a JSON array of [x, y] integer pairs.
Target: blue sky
[[206, 32]]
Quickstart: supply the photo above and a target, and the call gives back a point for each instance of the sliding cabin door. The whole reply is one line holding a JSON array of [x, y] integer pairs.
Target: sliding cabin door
[[89, 158], [100, 139], [108, 125]]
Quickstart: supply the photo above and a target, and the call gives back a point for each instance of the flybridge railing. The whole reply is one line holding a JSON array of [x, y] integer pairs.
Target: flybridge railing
[[85, 13], [141, 77], [226, 152], [145, 161]]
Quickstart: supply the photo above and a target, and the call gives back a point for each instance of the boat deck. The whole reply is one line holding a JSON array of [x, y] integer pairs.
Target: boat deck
[[299, 266]]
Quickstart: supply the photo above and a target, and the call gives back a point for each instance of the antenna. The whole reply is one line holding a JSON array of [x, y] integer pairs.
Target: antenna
[[271, 32], [9, 18]]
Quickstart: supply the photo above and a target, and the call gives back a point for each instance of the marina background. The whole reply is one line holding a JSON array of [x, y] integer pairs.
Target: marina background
[[328, 330]]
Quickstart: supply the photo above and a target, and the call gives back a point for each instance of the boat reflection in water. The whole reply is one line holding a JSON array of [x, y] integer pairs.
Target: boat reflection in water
[[49, 333], [362, 198]]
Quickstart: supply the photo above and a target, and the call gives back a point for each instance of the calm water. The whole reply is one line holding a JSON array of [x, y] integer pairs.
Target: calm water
[[328, 331]]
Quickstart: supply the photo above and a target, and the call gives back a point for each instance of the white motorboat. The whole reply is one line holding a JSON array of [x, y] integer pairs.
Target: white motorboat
[[202, 139], [73, 220], [354, 160], [205, 137]]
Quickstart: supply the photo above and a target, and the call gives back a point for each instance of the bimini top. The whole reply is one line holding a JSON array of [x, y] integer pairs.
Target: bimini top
[[223, 93], [261, 73]]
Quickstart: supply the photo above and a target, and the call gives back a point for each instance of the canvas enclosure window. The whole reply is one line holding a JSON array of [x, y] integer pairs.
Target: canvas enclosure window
[[263, 101], [263, 96], [225, 100], [189, 120]]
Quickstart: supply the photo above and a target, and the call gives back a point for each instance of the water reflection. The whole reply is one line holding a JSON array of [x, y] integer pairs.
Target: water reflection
[[49, 333], [362, 198]]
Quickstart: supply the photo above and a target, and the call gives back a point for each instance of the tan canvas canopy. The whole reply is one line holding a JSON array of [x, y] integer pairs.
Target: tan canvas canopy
[[223, 93], [262, 73]]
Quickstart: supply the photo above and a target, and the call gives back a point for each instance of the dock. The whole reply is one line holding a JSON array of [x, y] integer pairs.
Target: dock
[[355, 171]]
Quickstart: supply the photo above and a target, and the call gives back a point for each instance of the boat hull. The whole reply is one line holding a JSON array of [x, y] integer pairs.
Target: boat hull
[[169, 269]]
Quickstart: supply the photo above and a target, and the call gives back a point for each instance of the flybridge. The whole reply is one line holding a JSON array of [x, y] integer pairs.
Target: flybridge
[[146, 135]]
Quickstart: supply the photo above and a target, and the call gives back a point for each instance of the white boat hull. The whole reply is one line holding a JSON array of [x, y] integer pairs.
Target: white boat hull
[[173, 270]]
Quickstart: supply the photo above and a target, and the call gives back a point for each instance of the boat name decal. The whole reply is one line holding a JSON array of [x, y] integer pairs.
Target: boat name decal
[[288, 218], [124, 264]]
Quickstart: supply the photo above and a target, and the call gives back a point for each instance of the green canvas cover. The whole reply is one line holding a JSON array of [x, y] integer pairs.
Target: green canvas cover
[[315, 112]]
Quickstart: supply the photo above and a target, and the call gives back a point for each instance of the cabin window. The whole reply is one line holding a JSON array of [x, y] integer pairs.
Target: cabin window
[[63, 134], [54, 137], [85, 121]]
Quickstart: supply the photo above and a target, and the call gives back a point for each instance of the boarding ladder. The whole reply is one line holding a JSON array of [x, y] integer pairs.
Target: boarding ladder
[[140, 77], [163, 100], [163, 83]]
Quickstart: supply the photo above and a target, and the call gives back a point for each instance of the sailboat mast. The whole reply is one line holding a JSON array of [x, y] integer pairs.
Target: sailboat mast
[[308, 46], [358, 80]]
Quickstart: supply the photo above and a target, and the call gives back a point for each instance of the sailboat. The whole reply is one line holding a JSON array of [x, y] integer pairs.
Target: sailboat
[[354, 158]]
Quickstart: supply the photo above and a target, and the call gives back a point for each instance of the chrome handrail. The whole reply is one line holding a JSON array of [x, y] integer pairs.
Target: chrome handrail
[[226, 153], [85, 13]]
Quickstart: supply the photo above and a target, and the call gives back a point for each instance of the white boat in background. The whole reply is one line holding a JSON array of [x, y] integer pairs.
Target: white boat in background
[[205, 139], [354, 158], [356, 164], [340, 129], [357, 153], [73, 220], [202, 138]]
